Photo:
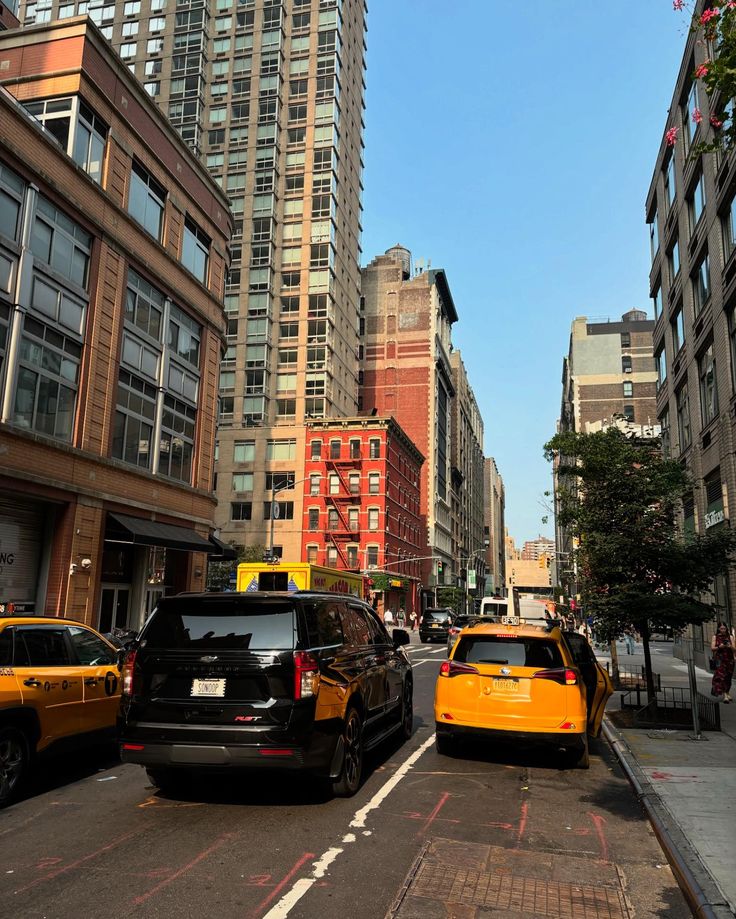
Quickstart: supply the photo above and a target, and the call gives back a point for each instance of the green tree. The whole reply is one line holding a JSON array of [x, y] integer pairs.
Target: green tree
[[218, 573], [621, 498]]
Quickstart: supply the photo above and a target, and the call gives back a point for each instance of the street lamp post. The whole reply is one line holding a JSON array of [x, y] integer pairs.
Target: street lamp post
[[274, 507]]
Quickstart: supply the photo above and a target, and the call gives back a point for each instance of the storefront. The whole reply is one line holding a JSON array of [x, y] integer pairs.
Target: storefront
[[26, 529]]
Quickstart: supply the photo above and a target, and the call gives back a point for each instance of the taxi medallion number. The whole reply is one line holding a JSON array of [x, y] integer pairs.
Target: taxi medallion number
[[208, 688], [505, 685]]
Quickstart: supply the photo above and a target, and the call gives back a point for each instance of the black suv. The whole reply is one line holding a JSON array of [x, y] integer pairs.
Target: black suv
[[435, 623], [300, 681]]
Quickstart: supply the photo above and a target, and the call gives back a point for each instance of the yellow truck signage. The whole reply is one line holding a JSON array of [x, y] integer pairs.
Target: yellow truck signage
[[298, 576]]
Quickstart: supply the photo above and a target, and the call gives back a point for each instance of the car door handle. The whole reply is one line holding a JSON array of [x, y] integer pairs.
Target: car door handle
[[90, 681], [32, 681]]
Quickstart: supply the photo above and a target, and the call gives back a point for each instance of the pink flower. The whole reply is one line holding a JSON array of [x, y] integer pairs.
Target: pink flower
[[697, 115], [671, 136], [677, 5], [708, 15], [716, 122], [702, 69]]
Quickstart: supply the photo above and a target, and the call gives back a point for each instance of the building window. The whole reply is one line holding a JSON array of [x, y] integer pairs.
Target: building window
[[134, 419], [626, 363], [241, 510], [678, 330], [335, 448], [280, 450], [195, 250], [313, 519], [689, 127], [146, 201], [729, 228], [371, 556], [673, 261], [244, 451], [708, 385], [654, 235], [625, 340], [664, 423], [333, 518], [701, 284], [312, 554], [374, 483], [354, 483], [178, 426], [278, 481], [629, 412], [243, 481], [64, 246], [683, 417], [334, 484], [628, 390], [315, 448], [314, 483], [660, 360], [696, 203], [657, 301], [332, 556], [286, 510], [373, 518], [374, 448], [670, 189]]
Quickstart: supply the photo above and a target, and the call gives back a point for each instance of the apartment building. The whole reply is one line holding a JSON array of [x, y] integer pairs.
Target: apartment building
[[362, 505], [494, 528], [406, 326], [269, 95], [113, 258], [691, 214], [467, 466], [9, 14], [534, 549]]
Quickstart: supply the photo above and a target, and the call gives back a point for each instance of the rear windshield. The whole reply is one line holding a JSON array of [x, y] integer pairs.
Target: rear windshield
[[519, 652], [438, 615], [210, 625]]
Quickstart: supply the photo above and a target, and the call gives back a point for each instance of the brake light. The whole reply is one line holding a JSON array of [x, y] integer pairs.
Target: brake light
[[272, 751], [452, 668], [306, 675], [129, 674], [562, 675], [134, 746]]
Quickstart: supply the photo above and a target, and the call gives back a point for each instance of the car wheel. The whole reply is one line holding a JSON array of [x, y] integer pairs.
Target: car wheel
[[348, 782], [445, 744], [13, 763], [407, 710], [580, 756]]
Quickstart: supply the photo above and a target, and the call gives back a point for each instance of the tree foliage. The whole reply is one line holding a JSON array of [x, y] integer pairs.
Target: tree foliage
[[620, 497], [218, 573]]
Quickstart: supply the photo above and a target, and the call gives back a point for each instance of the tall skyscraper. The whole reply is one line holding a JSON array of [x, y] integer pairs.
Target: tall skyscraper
[[270, 94]]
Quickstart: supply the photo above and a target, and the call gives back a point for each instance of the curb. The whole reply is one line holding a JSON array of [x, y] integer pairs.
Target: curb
[[680, 853]]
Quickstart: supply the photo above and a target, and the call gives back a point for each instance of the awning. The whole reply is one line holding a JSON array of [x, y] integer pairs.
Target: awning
[[222, 551], [138, 530]]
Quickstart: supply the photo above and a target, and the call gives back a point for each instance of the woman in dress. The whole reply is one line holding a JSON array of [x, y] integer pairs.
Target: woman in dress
[[722, 650]]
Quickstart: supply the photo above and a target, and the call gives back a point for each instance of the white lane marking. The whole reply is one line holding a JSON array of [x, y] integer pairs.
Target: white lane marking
[[319, 868], [423, 660]]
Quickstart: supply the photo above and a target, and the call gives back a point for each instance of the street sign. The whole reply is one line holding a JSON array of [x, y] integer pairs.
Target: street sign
[[275, 510], [471, 579]]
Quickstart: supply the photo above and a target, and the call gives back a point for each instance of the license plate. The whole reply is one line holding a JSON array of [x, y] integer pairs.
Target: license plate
[[434, 625], [208, 688], [505, 686]]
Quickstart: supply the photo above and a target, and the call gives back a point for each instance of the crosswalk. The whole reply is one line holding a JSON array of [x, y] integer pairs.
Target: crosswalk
[[438, 653]]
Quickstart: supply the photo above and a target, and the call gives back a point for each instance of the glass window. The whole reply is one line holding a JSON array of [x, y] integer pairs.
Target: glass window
[[664, 423], [670, 189], [683, 417], [374, 483], [280, 449], [241, 510], [701, 284], [673, 258], [729, 228], [134, 419], [660, 359], [41, 647], [243, 481], [146, 201], [315, 449], [373, 518], [91, 650], [628, 390], [696, 203], [144, 306], [176, 447], [657, 301], [678, 330], [185, 335], [708, 385], [61, 243]]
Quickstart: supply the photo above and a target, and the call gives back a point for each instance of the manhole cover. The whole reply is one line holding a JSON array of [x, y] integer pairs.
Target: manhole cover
[[513, 883]]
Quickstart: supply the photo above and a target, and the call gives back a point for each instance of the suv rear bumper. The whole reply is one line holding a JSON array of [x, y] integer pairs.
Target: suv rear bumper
[[313, 754]]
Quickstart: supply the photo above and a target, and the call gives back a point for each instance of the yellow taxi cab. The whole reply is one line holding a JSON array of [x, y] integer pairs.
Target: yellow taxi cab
[[525, 682], [59, 684]]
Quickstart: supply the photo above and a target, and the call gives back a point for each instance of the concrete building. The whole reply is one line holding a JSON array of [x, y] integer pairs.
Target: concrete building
[[525, 575], [691, 213], [113, 257], [534, 549], [407, 372], [270, 96], [362, 506], [467, 465], [494, 528]]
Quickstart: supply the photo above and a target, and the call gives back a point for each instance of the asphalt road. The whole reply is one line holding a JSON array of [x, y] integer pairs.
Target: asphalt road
[[492, 832]]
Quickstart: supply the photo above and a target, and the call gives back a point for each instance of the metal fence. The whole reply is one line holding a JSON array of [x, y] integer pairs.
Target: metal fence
[[671, 707], [633, 679]]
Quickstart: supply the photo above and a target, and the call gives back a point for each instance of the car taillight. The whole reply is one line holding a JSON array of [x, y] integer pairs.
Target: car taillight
[[562, 675], [306, 675], [129, 673], [454, 630], [452, 668]]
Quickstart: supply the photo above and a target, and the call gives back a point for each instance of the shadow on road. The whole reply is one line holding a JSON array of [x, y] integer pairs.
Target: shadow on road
[[53, 771]]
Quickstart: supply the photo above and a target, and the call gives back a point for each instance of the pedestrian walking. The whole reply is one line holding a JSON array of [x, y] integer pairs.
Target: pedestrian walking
[[401, 618], [413, 620], [388, 617], [630, 640], [722, 649]]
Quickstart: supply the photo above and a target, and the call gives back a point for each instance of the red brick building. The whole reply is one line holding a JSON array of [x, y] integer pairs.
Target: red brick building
[[362, 504], [113, 252]]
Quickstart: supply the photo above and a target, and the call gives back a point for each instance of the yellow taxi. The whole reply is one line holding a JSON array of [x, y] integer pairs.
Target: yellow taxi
[[59, 683], [526, 682]]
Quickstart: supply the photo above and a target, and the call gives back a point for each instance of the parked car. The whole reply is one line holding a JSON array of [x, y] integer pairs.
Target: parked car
[[59, 687], [303, 681], [521, 682], [462, 621], [435, 623]]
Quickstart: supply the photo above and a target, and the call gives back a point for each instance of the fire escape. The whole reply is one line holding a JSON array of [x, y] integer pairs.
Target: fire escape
[[340, 528]]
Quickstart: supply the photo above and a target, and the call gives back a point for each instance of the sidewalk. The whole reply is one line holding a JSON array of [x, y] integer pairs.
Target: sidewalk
[[693, 783]]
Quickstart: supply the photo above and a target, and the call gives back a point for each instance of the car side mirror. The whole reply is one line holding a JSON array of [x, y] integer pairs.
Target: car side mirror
[[400, 637]]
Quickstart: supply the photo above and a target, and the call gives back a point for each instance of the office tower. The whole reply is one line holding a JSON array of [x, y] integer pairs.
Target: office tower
[[269, 93]]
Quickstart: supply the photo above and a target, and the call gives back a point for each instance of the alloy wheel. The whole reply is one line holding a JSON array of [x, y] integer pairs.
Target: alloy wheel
[[12, 762]]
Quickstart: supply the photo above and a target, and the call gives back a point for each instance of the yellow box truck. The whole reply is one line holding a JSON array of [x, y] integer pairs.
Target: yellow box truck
[[298, 576]]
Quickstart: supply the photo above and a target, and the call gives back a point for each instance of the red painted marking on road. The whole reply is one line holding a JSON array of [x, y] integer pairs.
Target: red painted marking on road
[[599, 824], [48, 862], [80, 861], [522, 822], [280, 886], [499, 826], [669, 777], [433, 816], [217, 844], [260, 880]]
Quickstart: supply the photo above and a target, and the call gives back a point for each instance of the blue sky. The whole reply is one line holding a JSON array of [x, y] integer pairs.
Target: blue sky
[[513, 146]]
